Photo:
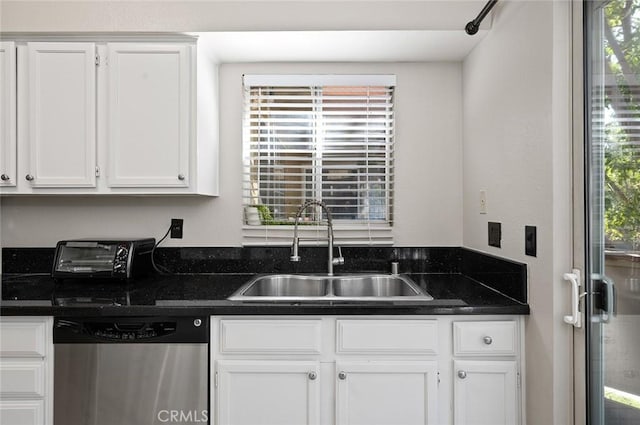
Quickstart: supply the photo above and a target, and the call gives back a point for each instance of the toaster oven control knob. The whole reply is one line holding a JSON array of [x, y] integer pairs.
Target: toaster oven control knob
[[122, 252], [118, 267]]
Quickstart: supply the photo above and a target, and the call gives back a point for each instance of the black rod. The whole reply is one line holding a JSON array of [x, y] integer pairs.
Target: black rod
[[473, 26]]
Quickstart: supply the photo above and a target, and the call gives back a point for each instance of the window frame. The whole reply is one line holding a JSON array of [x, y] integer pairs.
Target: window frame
[[362, 231]]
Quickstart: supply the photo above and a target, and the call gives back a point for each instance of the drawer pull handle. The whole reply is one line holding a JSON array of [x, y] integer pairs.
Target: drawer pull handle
[[181, 177], [5, 177], [313, 376], [29, 177], [462, 374], [342, 376], [487, 340]]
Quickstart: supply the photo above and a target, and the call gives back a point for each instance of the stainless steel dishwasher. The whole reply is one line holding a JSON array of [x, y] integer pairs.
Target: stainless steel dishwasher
[[131, 371]]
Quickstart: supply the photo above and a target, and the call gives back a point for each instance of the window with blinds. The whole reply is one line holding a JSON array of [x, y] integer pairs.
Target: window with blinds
[[327, 138]]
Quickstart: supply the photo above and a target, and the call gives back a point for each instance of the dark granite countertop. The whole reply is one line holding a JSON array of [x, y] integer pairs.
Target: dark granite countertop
[[205, 294]]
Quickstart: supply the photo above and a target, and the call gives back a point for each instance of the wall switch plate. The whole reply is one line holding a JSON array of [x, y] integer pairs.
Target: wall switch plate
[[176, 228], [530, 240], [495, 234], [483, 202]]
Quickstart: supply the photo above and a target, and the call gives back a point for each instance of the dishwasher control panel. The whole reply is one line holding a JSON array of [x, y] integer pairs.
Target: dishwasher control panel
[[127, 332], [131, 329]]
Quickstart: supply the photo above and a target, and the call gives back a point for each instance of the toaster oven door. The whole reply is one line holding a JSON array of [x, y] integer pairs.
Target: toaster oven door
[[85, 257]]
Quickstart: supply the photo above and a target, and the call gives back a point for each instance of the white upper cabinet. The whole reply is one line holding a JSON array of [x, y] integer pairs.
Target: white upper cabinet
[[148, 121], [108, 115], [7, 113], [61, 114]]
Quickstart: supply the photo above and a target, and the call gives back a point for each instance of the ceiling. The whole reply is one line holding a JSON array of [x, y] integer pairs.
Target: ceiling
[[339, 46]]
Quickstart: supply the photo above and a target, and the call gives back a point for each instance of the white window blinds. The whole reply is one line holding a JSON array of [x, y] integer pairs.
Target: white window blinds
[[328, 138]]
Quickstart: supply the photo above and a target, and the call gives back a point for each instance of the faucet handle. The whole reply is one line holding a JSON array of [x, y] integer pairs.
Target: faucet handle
[[339, 260], [295, 257]]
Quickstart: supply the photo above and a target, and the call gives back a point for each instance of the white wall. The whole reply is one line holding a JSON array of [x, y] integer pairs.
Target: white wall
[[428, 201], [516, 146], [428, 107]]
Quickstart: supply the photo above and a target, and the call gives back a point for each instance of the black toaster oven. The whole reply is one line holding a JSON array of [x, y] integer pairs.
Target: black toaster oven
[[108, 259]]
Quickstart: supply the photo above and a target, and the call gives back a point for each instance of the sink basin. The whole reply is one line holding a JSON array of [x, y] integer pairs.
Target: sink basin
[[374, 286], [323, 288], [287, 286]]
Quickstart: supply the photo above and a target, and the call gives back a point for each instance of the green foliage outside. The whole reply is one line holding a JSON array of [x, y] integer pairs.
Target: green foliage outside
[[627, 399], [266, 217], [622, 123]]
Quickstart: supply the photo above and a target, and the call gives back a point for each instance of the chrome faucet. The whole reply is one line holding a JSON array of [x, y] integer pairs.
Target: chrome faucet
[[295, 257]]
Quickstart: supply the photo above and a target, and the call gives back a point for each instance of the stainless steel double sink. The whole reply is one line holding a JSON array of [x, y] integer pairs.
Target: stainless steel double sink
[[324, 288]]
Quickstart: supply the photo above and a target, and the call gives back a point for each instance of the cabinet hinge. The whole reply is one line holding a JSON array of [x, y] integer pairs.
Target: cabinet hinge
[[518, 380], [97, 60], [438, 375], [97, 171], [215, 380]]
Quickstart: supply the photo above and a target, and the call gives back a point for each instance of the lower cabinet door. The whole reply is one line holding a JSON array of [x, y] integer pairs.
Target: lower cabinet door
[[485, 393], [386, 393], [22, 412], [252, 392], [24, 378]]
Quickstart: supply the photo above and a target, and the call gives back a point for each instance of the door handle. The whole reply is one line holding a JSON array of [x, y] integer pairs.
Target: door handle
[[610, 302], [575, 318], [605, 300]]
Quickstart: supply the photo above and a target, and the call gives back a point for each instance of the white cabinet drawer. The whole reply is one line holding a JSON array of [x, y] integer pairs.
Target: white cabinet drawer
[[23, 337], [22, 378], [270, 336], [494, 338], [22, 412], [387, 336]]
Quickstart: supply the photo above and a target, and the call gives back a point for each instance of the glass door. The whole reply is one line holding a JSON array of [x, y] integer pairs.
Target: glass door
[[613, 211]]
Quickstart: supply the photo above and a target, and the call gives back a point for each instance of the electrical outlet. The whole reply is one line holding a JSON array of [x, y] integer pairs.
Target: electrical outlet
[[176, 228], [530, 240], [495, 234]]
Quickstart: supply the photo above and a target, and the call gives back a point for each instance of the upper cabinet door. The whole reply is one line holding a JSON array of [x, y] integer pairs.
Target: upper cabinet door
[[149, 127], [62, 102], [7, 114]]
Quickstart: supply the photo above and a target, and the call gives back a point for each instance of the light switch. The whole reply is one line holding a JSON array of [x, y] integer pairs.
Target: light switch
[[483, 202]]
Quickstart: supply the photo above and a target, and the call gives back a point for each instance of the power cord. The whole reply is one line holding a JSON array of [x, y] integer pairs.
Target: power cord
[[157, 268], [10, 277]]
